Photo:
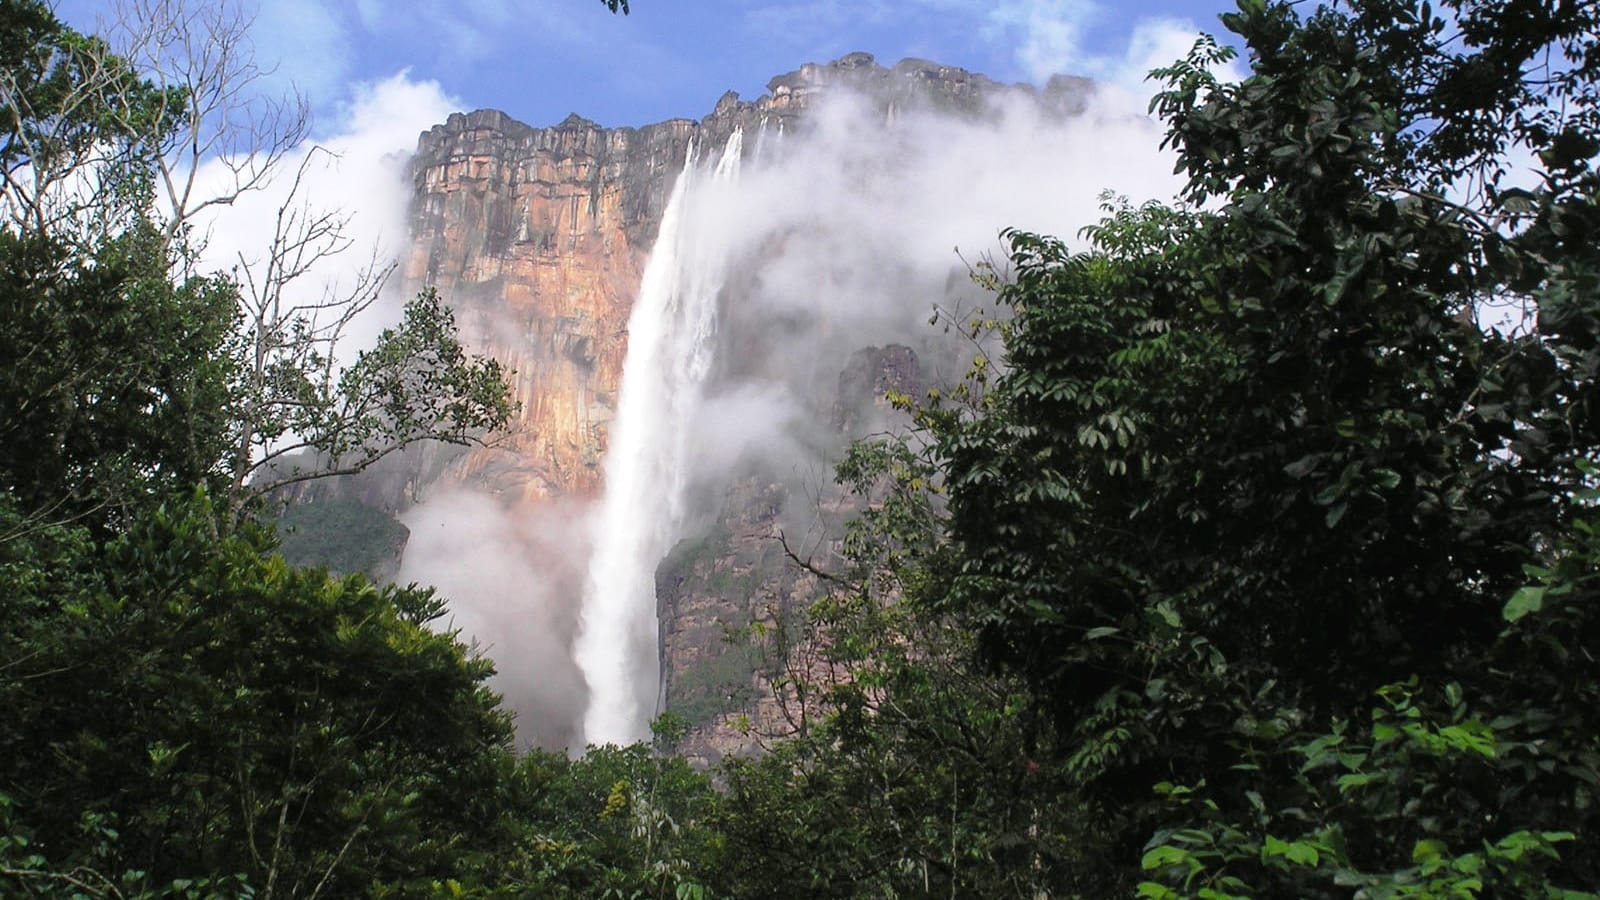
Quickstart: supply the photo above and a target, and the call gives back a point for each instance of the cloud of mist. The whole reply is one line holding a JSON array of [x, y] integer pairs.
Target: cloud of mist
[[512, 574], [1048, 35], [853, 231]]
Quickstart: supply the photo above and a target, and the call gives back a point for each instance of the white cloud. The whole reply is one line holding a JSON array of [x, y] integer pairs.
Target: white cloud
[[1153, 43], [361, 177], [386, 116]]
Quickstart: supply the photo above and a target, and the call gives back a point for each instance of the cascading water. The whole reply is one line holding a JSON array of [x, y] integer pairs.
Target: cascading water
[[670, 340], [761, 140]]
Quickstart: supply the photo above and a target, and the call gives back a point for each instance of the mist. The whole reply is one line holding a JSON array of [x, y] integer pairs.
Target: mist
[[512, 575]]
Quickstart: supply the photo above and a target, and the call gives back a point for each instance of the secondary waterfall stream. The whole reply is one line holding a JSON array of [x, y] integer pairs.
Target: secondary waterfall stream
[[671, 333]]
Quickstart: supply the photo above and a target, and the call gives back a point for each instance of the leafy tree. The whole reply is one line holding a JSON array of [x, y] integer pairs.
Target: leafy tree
[[114, 381], [127, 374], [226, 714], [1251, 504], [186, 714], [26, 872], [344, 535], [74, 165], [300, 416], [616, 822], [1251, 475], [911, 773]]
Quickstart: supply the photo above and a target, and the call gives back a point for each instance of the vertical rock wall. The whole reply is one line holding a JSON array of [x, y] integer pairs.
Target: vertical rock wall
[[537, 238]]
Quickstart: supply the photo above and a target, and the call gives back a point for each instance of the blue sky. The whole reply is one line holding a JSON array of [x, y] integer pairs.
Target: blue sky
[[541, 59]]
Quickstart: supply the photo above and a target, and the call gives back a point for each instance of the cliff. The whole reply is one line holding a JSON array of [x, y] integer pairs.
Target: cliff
[[538, 238]]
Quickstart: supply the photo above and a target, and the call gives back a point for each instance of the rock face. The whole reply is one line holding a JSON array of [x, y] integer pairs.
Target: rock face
[[538, 238]]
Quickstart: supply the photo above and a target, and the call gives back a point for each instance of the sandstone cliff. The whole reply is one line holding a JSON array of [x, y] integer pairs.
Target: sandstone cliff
[[538, 238]]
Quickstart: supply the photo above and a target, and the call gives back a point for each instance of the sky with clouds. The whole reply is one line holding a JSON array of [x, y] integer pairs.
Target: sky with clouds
[[542, 59]]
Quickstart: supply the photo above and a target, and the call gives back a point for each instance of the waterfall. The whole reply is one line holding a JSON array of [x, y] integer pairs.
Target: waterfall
[[670, 341]]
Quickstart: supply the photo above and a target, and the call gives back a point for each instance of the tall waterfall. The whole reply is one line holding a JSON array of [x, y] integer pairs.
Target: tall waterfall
[[670, 341]]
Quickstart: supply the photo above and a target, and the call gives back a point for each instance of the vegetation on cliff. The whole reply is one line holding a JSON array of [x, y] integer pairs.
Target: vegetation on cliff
[[1255, 566]]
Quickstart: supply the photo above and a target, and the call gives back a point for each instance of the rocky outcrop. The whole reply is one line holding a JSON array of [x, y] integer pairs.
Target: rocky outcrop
[[871, 377], [538, 237]]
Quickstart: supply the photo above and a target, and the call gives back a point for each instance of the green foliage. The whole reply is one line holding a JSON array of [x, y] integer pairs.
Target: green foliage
[[416, 383], [126, 375], [113, 376], [911, 774], [619, 822], [1396, 778], [113, 380], [721, 684], [1245, 469], [230, 714], [914, 778], [57, 126], [1278, 541], [25, 872], [1278, 571]]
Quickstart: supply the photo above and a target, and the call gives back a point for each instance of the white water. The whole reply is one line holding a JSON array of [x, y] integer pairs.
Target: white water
[[761, 141], [670, 343]]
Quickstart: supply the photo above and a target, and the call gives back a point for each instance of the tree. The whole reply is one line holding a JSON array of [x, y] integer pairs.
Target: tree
[[114, 381], [81, 128], [187, 715], [618, 821], [230, 715], [127, 357], [299, 414], [911, 773], [1247, 477]]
